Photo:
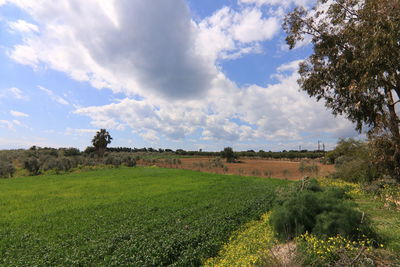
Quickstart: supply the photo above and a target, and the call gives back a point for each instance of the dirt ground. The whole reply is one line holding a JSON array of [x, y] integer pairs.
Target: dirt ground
[[283, 169]]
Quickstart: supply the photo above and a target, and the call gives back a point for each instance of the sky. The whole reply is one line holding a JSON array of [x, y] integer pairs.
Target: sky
[[185, 74]]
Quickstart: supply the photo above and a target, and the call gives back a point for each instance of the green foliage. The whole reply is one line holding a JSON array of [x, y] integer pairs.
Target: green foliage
[[126, 216], [7, 169], [69, 152], [101, 140], [353, 161], [32, 164], [228, 154], [323, 212], [354, 67]]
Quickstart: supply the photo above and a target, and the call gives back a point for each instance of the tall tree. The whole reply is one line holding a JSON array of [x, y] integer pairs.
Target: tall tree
[[101, 140], [355, 65]]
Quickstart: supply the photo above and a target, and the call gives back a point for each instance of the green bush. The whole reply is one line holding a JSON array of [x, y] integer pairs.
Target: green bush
[[129, 161], [7, 169], [309, 208], [353, 161], [64, 165], [228, 154], [69, 152], [32, 164]]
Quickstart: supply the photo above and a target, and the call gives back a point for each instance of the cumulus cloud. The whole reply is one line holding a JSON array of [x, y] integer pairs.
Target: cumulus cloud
[[276, 112], [285, 3], [18, 114], [23, 26], [229, 34], [155, 50]]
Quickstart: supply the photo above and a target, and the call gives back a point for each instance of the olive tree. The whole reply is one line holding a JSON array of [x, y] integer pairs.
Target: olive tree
[[355, 66]]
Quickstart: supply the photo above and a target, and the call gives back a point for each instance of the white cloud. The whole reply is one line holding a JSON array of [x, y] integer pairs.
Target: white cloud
[[284, 3], [23, 26], [18, 114], [53, 96], [80, 132], [253, 27], [14, 93], [291, 66], [153, 49], [150, 136], [276, 112], [7, 124], [229, 34]]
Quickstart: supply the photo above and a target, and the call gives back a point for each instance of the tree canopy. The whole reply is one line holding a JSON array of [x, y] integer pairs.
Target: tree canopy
[[355, 66], [101, 140]]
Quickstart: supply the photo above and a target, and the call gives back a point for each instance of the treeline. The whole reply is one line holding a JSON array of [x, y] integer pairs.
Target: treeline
[[291, 154], [37, 160]]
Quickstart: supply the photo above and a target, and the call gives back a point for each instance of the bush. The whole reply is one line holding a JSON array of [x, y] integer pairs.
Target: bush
[[325, 213], [353, 161], [50, 164], [129, 161], [7, 170], [64, 164], [32, 164], [228, 154], [69, 152]]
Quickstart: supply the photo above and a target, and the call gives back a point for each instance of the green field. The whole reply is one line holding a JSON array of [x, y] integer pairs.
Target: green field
[[125, 216]]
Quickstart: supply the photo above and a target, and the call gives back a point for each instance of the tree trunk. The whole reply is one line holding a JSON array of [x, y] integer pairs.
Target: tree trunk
[[393, 125]]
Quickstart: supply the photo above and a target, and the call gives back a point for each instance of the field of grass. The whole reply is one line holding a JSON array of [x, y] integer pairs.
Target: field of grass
[[125, 216], [386, 221]]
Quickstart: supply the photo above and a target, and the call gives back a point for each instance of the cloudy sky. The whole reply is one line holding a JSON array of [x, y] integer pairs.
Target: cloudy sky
[[174, 74]]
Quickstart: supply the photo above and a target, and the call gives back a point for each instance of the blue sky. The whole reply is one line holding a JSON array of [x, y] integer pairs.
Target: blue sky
[[173, 74]]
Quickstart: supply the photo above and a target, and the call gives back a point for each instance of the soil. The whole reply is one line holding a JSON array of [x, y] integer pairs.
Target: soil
[[283, 169]]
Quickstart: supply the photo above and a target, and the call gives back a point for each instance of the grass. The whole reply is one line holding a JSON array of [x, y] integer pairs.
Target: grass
[[126, 216], [386, 221]]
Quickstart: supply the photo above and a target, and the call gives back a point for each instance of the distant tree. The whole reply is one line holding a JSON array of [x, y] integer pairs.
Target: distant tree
[[101, 140], [228, 154], [355, 65]]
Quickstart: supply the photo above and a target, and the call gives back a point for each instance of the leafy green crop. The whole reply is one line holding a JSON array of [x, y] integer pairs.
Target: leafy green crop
[[126, 216]]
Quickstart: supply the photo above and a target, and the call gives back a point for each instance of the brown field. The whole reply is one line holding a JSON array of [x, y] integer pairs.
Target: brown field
[[283, 169]]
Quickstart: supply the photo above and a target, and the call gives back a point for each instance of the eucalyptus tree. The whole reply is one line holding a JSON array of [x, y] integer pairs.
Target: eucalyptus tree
[[355, 65]]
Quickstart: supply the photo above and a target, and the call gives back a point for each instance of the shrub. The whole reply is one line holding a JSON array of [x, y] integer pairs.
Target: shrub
[[69, 152], [353, 161], [50, 164], [129, 161], [32, 164], [228, 154], [64, 164], [325, 213], [7, 169]]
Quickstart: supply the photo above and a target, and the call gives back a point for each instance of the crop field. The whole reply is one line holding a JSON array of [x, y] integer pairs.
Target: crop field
[[283, 169], [126, 216]]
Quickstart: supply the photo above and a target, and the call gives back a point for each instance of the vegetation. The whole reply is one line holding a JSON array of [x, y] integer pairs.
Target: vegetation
[[126, 216], [353, 161], [247, 246], [354, 66], [228, 154], [101, 140], [308, 208]]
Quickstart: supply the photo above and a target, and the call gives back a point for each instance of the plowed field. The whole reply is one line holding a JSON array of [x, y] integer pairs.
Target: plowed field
[[283, 169]]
